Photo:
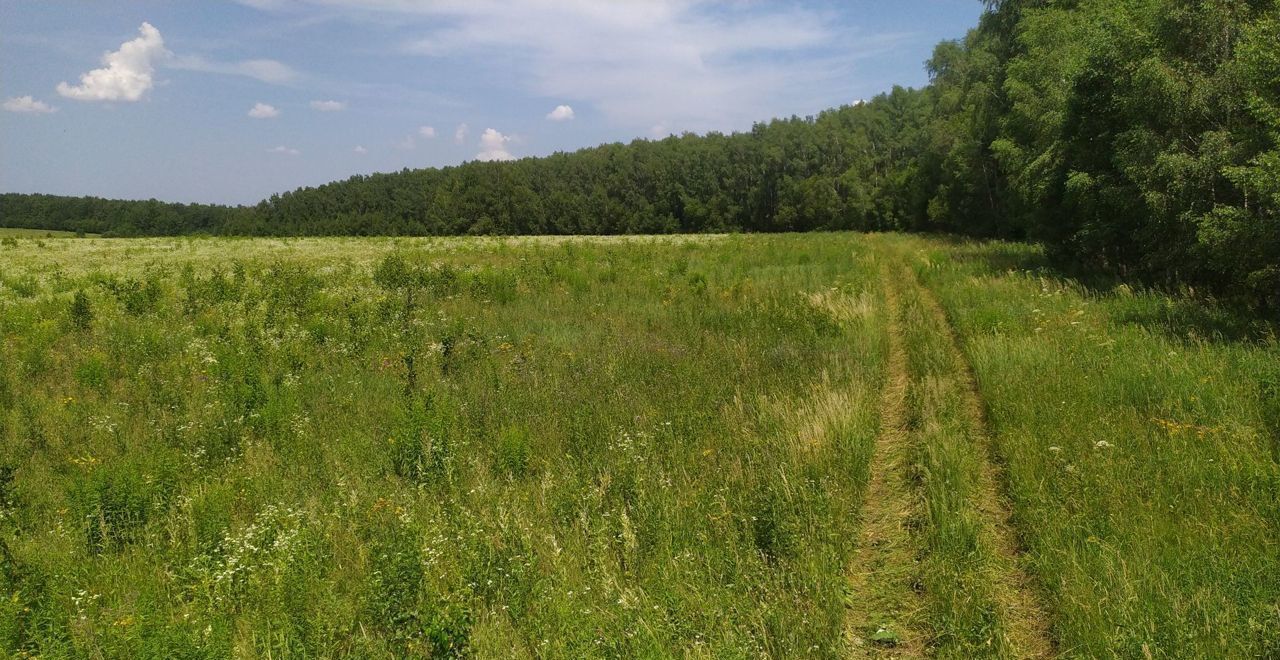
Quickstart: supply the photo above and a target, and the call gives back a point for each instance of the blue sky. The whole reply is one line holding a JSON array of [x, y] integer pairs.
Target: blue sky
[[231, 101]]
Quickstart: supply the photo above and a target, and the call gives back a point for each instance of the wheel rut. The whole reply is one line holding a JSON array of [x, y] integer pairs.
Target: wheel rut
[[882, 617], [1024, 618], [886, 613]]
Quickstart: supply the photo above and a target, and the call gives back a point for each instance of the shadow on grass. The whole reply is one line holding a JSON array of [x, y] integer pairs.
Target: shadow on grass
[[1182, 314]]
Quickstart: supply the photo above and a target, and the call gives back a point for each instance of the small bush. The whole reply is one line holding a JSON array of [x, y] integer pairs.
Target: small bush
[[496, 285], [81, 312], [395, 273], [511, 451], [24, 286], [93, 373], [116, 502], [137, 297], [420, 448], [8, 496], [400, 604], [770, 527]]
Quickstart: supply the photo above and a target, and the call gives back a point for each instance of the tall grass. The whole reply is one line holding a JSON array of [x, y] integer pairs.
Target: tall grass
[[1141, 454], [960, 568], [506, 448], [615, 447]]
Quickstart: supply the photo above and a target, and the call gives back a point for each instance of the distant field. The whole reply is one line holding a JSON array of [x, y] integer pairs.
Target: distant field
[[37, 233], [822, 445]]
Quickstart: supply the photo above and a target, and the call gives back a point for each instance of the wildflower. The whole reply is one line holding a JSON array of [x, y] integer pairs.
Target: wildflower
[[1102, 444]]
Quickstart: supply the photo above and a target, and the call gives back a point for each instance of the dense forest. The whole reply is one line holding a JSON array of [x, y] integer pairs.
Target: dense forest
[[1133, 136], [113, 217]]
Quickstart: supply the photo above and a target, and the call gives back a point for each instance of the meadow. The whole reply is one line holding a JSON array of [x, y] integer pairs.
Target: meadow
[[18, 232], [796, 445]]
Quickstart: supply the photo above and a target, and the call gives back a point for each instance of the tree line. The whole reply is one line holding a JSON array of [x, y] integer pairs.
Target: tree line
[[1140, 137]]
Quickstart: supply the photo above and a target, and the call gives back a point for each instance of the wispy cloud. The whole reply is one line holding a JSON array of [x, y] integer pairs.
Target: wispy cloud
[[460, 133], [428, 132], [263, 70], [126, 75], [696, 65], [691, 64], [28, 105], [328, 106], [283, 150]]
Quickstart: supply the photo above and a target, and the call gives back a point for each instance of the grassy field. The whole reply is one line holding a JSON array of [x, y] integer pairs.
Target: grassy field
[[823, 445], [17, 232]]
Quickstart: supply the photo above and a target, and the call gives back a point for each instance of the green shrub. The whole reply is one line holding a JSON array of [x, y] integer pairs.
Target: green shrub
[[81, 312], [420, 447], [497, 285], [137, 297], [769, 523], [400, 603], [511, 451], [25, 286], [116, 501], [92, 373]]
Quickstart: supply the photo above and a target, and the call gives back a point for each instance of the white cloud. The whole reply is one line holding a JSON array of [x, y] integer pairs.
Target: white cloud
[[460, 134], [263, 111], [28, 105], [695, 64], [561, 113], [428, 132], [493, 146], [127, 74], [283, 150], [264, 4], [328, 106], [267, 71], [407, 144], [660, 130], [360, 149]]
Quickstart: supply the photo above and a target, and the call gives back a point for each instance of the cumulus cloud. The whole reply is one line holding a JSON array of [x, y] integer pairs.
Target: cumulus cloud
[[460, 133], [561, 113], [428, 132], [263, 111], [360, 149], [287, 151], [28, 105], [126, 75], [263, 70], [493, 146], [328, 106]]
